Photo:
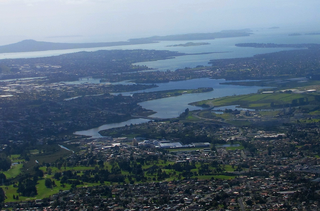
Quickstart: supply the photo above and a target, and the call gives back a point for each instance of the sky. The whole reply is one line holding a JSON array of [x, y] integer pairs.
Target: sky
[[119, 20]]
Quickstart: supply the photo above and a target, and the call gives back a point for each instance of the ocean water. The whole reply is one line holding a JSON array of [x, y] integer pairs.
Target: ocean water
[[219, 48]]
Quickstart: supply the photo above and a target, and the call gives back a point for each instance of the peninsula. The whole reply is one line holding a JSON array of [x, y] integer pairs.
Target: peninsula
[[189, 44], [33, 45], [274, 45]]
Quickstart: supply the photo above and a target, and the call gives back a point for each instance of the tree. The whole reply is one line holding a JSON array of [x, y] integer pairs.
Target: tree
[[2, 178], [48, 183], [27, 188], [57, 175], [2, 195], [213, 147], [5, 164]]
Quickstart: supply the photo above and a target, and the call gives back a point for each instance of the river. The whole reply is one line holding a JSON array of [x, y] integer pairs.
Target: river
[[94, 132]]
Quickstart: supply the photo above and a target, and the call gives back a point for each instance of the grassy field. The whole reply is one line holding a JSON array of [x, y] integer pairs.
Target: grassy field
[[16, 159], [212, 115], [258, 101], [234, 148], [192, 118], [55, 169], [42, 190], [13, 171]]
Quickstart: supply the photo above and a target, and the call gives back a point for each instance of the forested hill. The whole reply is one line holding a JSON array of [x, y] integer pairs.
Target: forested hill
[[33, 45]]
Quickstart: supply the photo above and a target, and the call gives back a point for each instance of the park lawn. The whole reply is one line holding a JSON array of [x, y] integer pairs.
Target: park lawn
[[310, 120], [13, 171], [160, 164], [228, 168], [170, 179], [259, 105], [16, 159], [125, 173], [224, 177], [315, 112], [192, 118], [44, 192], [82, 168], [194, 170], [224, 116], [169, 171], [87, 184], [198, 165], [10, 191], [108, 166], [207, 114], [257, 100], [234, 148], [76, 168], [146, 166]]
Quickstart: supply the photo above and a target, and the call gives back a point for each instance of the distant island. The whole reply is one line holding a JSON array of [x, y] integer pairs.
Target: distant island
[[314, 33], [189, 44], [295, 34], [273, 45], [298, 34], [33, 45], [197, 36]]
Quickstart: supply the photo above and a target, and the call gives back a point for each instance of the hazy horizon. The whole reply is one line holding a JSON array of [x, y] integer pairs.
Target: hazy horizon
[[106, 21]]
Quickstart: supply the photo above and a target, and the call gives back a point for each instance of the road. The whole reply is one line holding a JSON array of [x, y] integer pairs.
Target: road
[[241, 205]]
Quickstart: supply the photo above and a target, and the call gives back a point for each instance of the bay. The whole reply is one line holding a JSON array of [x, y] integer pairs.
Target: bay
[[173, 106], [223, 48]]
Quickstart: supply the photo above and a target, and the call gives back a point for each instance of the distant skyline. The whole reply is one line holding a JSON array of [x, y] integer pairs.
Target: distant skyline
[[119, 20]]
